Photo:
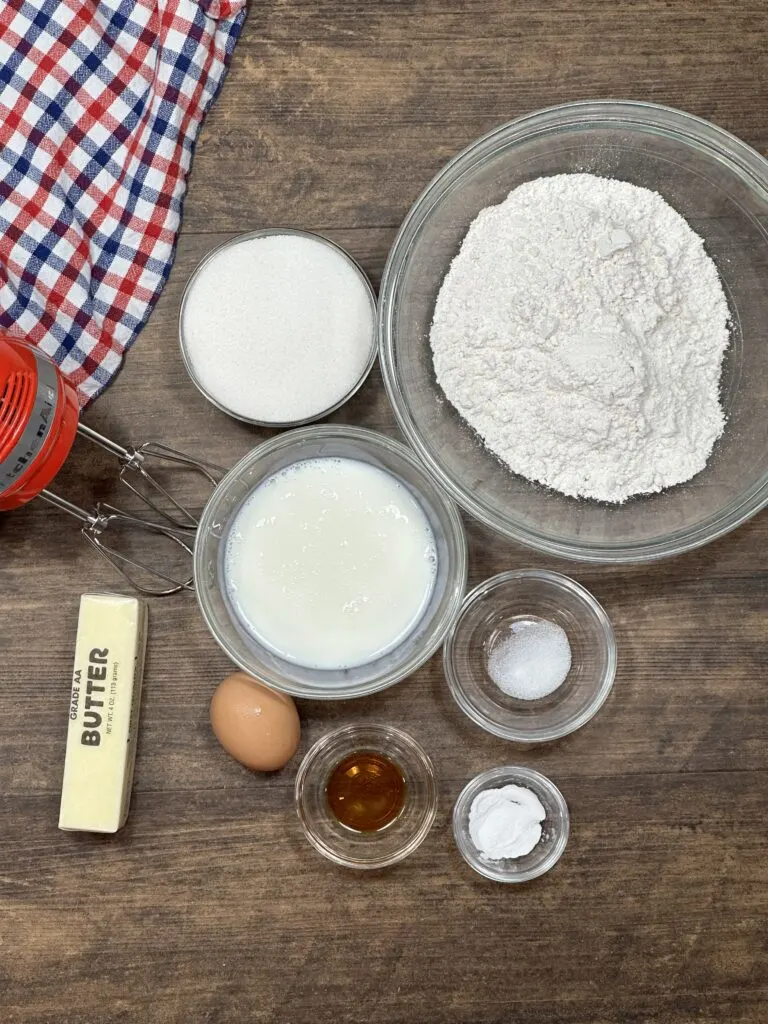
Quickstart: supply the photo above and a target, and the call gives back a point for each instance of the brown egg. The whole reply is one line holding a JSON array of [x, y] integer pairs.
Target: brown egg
[[259, 727]]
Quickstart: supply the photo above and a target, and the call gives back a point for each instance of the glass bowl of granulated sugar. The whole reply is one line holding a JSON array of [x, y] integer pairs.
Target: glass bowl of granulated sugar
[[572, 331], [277, 327]]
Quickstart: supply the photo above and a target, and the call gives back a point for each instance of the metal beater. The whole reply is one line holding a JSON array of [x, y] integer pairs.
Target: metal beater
[[178, 523]]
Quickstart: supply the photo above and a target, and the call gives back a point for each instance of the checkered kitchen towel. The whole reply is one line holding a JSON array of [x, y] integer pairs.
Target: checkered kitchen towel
[[101, 102]]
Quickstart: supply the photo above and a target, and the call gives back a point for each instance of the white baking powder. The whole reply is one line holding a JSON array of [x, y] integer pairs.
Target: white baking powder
[[505, 822], [531, 660], [580, 331], [278, 328]]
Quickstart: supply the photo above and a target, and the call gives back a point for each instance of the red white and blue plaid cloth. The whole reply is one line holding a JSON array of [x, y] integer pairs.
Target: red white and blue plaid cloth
[[101, 102]]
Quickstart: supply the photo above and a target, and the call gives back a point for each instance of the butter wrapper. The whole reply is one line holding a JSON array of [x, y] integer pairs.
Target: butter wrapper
[[103, 713]]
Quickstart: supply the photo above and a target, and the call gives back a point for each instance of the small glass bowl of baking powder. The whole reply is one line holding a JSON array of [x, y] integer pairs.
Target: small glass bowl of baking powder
[[554, 827], [525, 616]]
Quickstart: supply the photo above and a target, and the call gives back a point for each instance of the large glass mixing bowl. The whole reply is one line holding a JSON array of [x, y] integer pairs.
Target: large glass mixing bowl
[[720, 186]]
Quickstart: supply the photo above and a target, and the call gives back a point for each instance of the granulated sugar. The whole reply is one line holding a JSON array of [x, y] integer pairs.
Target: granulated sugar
[[278, 328], [531, 660], [580, 331]]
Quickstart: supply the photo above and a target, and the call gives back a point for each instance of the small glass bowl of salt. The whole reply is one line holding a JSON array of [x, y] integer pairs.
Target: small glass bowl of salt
[[532, 656], [511, 824]]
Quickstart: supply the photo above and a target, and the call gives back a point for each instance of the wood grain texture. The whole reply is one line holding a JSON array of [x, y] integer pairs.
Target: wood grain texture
[[209, 906]]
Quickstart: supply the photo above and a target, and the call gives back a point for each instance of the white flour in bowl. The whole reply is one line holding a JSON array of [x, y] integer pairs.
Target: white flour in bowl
[[580, 331]]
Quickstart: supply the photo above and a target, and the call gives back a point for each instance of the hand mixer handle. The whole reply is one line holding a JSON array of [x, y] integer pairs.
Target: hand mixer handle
[[39, 414]]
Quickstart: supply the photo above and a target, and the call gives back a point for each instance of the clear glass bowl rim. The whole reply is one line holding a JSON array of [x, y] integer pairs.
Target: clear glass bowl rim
[[509, 775], [698, 133], [457, 583], [265, 233], [351, 731], [558, 580]]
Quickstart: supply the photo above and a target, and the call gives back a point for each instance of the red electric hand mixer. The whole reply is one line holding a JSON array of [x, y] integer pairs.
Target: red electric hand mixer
[[39, 421]]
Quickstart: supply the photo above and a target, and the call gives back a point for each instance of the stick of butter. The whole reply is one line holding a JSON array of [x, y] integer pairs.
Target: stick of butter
[[103, 713]]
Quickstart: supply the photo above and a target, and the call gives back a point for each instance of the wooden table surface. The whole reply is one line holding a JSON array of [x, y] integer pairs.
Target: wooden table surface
[[210, 906]]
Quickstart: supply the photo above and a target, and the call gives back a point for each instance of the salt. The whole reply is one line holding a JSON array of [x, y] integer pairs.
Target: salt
[[532, 660], [278, 328]]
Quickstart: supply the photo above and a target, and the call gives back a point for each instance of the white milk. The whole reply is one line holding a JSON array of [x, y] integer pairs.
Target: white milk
[[330, 563]]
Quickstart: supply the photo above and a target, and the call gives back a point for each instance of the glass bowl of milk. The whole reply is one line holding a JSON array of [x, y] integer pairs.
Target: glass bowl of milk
[[328, 564]]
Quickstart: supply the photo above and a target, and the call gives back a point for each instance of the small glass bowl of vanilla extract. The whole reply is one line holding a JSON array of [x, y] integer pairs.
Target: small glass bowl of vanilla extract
[[366, 796]]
